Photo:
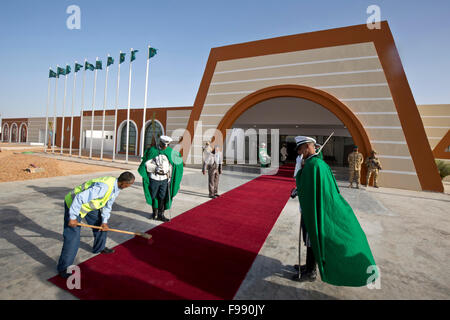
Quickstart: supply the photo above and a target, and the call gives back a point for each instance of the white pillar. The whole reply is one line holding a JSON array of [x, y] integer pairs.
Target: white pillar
[[93, 106], [73, 103]]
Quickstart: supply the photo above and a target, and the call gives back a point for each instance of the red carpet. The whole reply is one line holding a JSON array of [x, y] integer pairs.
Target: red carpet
[[204, 253]]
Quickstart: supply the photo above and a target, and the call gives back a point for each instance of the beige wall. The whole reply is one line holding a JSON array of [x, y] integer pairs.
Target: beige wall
[[436, 120], [34, 126], [177, 119]]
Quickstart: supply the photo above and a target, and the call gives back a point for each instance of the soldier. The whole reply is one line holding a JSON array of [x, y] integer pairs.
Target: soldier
[[355, 159], [373, 166]]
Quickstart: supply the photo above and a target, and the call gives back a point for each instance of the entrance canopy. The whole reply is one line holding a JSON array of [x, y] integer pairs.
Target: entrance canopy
[[353, 72]]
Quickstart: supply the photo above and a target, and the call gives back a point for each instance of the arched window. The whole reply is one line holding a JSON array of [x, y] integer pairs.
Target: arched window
[[23, 133], [132, 139], [150, 132], [5, 134], [14, 132]]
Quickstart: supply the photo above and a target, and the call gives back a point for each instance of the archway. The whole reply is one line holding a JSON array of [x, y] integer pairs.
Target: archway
[[14, 132], [23, 130], [5, 134], [132, 139], [159, 131], [329, 102], [341, 111]]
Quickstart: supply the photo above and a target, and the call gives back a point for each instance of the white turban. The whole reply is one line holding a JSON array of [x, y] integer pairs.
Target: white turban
[[165, 139], [299, 140]]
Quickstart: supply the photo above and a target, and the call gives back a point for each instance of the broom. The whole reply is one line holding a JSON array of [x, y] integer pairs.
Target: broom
[[139, 234]]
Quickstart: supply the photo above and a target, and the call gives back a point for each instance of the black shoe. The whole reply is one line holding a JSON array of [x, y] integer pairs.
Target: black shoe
[[162, 218], [154, 215], [107, 250], [64, 274], [216, 196], [308, 276], [212, 197]]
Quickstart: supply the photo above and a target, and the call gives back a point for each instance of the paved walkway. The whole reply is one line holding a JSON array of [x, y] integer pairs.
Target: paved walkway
[[408, 233]]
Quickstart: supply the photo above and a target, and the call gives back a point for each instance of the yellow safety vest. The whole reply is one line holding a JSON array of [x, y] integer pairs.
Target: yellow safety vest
[[94, 204]]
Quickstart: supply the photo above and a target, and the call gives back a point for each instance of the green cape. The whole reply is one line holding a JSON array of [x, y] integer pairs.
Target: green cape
[[339, 244], [175, 160]]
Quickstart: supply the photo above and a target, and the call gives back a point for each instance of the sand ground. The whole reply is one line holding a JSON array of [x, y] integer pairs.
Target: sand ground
[[14, 162]]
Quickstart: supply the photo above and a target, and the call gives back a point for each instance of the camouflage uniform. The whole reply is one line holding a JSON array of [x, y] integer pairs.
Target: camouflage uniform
[[355, 159], [373, 166]]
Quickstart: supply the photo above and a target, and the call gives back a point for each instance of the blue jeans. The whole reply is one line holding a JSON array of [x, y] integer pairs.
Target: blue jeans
[[72, 238]]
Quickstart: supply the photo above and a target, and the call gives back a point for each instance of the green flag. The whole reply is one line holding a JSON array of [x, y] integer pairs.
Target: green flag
[[133, 55], [98, 64], [60, 71], [89, 66], [52, 74], [122, 58], [110, 61], [78, 67], [68, 69], [152, 52]]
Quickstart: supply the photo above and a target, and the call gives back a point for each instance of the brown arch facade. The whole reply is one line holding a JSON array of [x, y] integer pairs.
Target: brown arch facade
[[329, 102], [383, 41]]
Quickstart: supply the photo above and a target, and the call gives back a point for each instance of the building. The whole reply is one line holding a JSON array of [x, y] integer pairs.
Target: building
[[348, 80]]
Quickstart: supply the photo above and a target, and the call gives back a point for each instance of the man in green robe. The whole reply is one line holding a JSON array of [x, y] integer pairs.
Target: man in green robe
[[161, 170], [339, 246]]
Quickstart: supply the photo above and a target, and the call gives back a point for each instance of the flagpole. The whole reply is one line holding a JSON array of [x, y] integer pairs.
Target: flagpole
[[128, 110], [93, 106], [46, 114], [73, 103], [82, 107], [104, 108], [115, 113], [54, 114], [145, 104], [64, 109]]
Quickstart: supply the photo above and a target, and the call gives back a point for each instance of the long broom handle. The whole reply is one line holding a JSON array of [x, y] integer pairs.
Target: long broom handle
[[114, 230]]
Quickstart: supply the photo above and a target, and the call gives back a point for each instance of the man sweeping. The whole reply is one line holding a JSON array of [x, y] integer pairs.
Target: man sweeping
[[161, 170], [339, 246], [92, 201]]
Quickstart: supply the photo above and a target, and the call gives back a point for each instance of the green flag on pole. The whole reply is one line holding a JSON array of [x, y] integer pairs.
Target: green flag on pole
[[133, 55], [122, 58], [52, 74], [60, 71], [98, 64], [68, 69], [110, 61], [152, 52], [78, 67], [89, 66]]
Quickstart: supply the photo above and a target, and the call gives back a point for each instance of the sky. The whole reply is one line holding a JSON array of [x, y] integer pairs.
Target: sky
[[34, 37]]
